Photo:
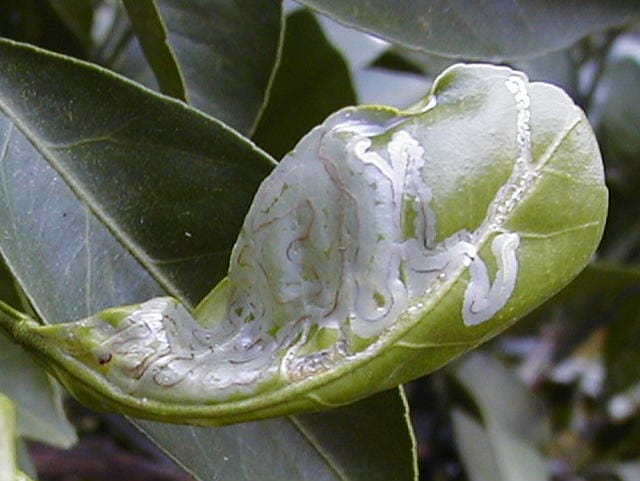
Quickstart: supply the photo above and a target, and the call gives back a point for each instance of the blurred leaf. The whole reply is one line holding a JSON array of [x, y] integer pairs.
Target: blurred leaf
[[25, 463], [556, 68], [358, 48], [599, 279], [303, 93], [514, 423], [621, 353], [478, 29], [472, 442], [37, 398], [623, 471], [152, 35], [619, 119], [39, 23], [502, 398], [226, 53], [7, 440], [380, 86], [628, 471], [392, 60], [618, 127], [77, 15], [110, 202]]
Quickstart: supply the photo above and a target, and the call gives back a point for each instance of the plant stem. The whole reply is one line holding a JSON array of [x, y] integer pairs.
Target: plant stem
[[9, 317]]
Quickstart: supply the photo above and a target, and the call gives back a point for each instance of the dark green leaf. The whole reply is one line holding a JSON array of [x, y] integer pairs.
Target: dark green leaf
[[149, 170], [621, 353], [367, 441], [477, 29], [303, 93], [37, 397], [618, 120], [152, 34], [77, 16], [225, 52], [40, 23]]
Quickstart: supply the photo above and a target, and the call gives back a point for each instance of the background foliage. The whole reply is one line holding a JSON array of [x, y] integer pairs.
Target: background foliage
[[556, 397]]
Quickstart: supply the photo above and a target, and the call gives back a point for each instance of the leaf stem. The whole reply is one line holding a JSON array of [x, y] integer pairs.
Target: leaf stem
[[9, 317]]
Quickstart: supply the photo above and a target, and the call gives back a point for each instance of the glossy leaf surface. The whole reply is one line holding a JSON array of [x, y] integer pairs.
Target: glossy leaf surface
[[477, 29], [36, 397], [384, 245], [225, 52], [70, 263], [322, 85]]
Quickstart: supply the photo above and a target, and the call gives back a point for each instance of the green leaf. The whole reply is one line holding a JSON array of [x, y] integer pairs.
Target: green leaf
[[8, 467], [504, 449], [37, 398], [77, 16], [618, 121], [621, 353], [369, 440], [478, 29], [138, 172], [112, 201], [420, 265], [225, 52], [7, 440], [152, 34], [303, 93], [41, 23], [601, 280]]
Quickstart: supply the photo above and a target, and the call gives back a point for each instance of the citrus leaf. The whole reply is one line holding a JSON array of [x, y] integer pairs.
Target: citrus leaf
[[478, 29], [151, 31], [322, 84], [225, 52], [111, 194], [436, 249]]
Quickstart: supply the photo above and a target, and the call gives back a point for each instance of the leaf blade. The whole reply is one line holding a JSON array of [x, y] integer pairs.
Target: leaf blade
[[226, 53], [479, 30], [151, 32], [68, 252]]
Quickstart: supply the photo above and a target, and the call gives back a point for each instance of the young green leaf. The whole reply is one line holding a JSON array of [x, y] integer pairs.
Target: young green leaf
[[384, 245]]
